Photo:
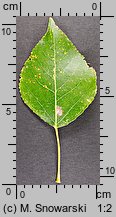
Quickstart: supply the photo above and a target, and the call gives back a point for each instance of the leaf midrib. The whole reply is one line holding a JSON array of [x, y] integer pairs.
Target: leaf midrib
[[54, 76]]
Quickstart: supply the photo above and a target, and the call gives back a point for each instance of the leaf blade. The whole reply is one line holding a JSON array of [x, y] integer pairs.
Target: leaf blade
[[59, 78]]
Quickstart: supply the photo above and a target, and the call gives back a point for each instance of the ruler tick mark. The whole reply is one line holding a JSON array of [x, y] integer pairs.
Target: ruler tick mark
[[56, 189], [60, 11], [11, 144]]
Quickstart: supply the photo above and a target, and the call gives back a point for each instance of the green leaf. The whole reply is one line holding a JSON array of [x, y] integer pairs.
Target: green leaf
[[56, 82]]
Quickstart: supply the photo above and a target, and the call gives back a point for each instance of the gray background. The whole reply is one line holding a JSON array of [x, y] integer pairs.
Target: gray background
[[36, 144]]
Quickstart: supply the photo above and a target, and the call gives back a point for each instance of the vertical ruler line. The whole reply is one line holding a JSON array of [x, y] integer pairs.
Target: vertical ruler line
[[100, 99], [100, 11], [20, 8]]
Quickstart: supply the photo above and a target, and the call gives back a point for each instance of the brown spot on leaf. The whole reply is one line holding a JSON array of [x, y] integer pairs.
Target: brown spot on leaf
[[59, 111], [39, 75]]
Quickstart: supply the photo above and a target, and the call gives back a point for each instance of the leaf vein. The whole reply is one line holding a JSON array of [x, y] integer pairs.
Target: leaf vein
[[70, 90], [72, 107], [39, 103], [42, 84]]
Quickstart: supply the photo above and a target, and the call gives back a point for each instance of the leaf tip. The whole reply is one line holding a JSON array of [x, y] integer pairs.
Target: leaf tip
[[51, 22]]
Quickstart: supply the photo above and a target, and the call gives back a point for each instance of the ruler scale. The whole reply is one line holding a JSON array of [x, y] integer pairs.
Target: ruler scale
[[46, 199]]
